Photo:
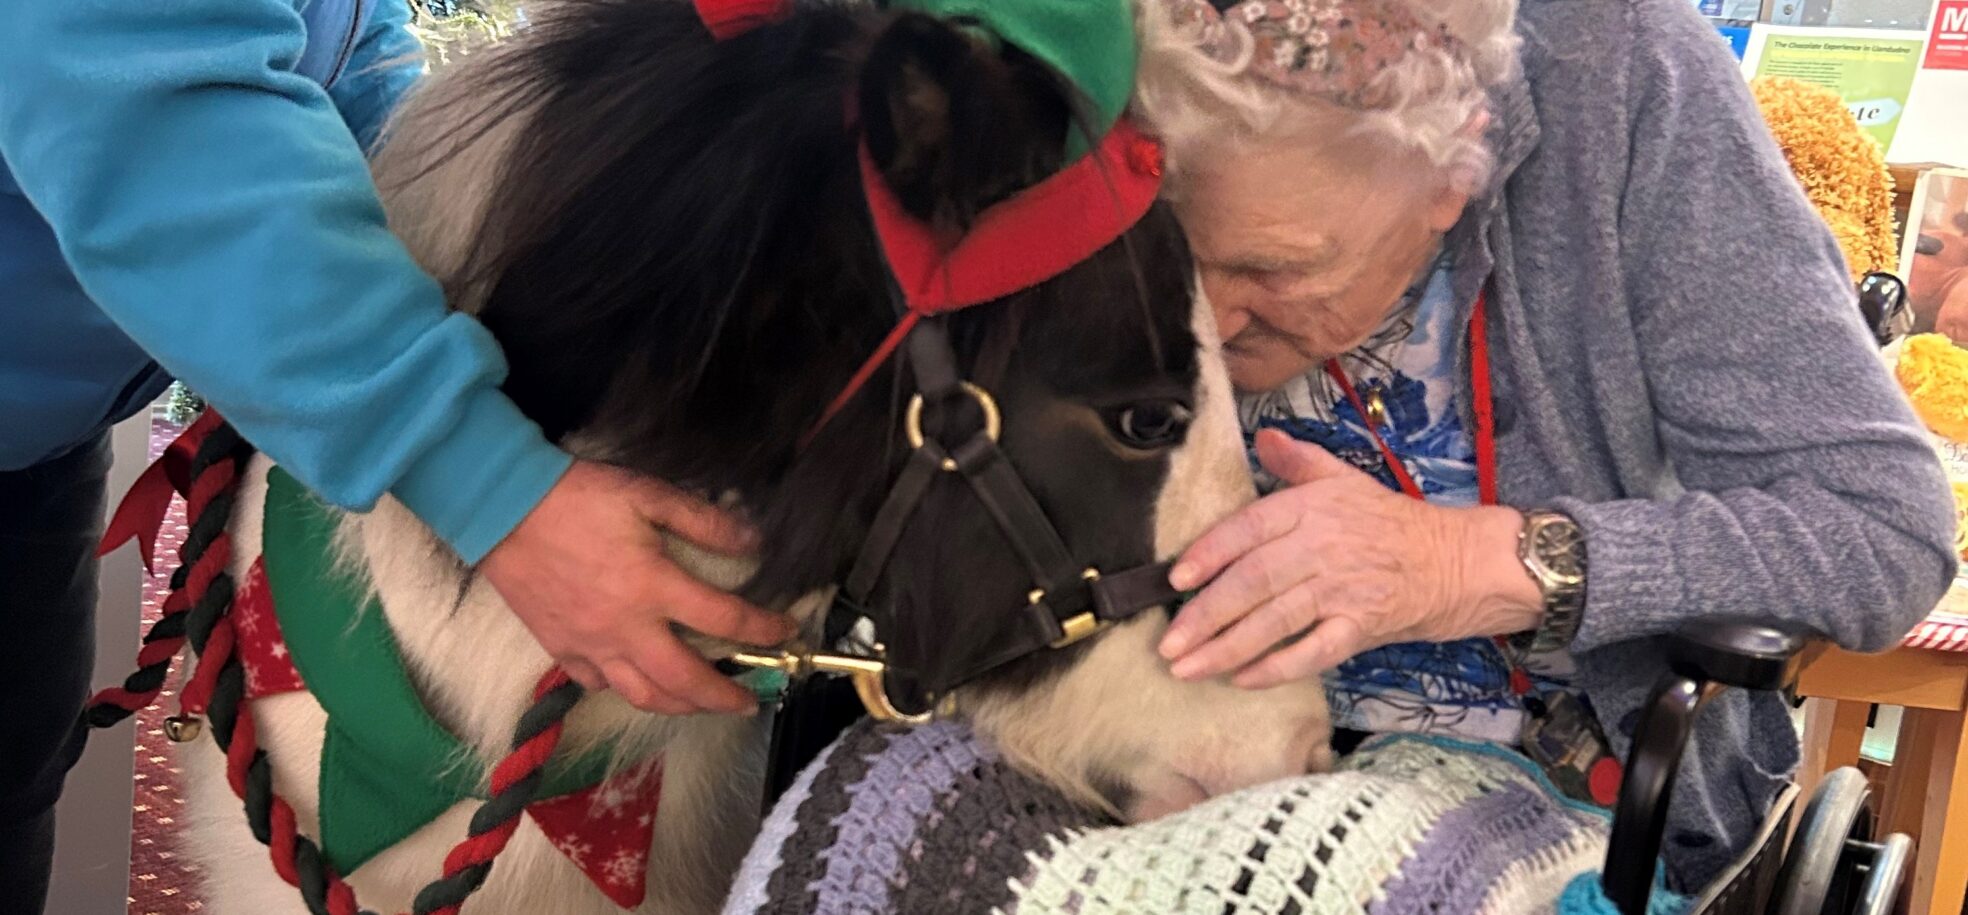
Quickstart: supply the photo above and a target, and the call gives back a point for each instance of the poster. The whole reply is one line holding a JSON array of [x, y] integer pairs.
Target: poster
[[1947, 42], [1871, 69], [1934, 130], [1934, 254]]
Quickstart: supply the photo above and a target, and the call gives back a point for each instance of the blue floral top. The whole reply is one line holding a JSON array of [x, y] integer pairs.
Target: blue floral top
[[1459, 689]]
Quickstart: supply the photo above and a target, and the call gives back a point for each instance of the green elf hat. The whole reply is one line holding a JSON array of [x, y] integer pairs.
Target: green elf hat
[[1089, 42], [1112, 180]]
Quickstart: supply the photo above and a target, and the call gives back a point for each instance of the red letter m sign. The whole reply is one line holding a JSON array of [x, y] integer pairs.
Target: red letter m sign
[[1954, 23], [1947, 44]]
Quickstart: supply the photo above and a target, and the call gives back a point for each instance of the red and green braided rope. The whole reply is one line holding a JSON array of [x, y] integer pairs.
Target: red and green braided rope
[[198, 610]]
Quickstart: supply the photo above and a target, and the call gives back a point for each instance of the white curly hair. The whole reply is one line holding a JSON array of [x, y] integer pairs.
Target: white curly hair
[[1432, 102]]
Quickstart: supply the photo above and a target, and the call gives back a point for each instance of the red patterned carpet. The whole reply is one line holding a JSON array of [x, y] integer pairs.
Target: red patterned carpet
[[161, 881]]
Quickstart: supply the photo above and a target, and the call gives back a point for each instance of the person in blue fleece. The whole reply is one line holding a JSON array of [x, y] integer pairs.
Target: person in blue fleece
[[183, 192]]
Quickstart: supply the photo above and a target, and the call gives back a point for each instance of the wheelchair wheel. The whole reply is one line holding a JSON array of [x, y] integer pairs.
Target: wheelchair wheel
[[1885, 871], [1811, 875]]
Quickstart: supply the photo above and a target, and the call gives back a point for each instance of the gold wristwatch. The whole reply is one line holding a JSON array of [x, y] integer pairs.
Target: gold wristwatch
[[1552, 549]]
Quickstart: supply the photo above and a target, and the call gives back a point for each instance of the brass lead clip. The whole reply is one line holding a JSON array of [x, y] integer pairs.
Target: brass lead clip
[[866, 674]]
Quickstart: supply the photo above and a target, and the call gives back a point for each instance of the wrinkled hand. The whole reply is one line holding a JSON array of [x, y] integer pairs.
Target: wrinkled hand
[[586, 573], [1342, 564]]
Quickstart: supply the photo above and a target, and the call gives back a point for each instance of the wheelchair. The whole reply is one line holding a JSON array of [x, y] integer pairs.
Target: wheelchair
[[1833, 863]]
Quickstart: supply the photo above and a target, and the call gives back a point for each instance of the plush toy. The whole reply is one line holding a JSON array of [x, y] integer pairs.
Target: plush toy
[[1841, 167], [1934, 373]]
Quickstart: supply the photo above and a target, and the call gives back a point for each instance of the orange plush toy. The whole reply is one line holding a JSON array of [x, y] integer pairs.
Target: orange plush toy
[[1841, 167]]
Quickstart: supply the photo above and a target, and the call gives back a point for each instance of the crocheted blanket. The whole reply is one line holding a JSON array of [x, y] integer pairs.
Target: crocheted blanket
[[931, 820]]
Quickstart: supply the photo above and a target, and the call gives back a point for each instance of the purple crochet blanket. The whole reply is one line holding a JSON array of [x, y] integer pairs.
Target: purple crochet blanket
[[931, 820]]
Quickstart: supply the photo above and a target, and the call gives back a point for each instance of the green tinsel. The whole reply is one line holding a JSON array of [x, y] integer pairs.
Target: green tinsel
[[470, 25], [182, 405]]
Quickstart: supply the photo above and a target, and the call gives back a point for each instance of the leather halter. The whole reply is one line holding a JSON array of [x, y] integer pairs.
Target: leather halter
[[1069, 600], [1032, 237]]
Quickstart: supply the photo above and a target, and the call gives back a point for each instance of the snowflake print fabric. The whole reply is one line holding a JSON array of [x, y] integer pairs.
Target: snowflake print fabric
[[261, 649], [606, 830]]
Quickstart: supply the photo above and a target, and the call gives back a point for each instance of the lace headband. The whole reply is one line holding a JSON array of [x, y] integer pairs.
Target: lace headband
[[1333, 49]]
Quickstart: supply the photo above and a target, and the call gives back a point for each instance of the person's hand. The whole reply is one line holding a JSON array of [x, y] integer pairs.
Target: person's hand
[[585, 572], [1342, 564]]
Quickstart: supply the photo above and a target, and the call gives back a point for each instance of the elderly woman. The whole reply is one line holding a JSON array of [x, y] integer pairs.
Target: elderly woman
[[1542, 270], [1544, 353]]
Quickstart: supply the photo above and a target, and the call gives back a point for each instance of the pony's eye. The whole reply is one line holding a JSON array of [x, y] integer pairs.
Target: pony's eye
[[1150, 424]]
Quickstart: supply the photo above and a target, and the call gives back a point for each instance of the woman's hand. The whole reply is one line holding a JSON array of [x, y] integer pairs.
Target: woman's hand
[[1347, 564], [585, 572]]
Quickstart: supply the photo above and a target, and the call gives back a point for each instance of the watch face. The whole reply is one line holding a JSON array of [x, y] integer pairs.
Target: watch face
[[1558, 545]]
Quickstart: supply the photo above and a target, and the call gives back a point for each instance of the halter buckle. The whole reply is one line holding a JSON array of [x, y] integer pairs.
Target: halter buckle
[[1078, 626], [993, 421], [866, 673]]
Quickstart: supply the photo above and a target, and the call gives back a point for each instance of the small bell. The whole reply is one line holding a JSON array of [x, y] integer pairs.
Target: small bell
[[183, 728]]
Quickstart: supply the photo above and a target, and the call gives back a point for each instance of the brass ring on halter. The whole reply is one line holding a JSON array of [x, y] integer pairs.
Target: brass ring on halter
[[993, 422]]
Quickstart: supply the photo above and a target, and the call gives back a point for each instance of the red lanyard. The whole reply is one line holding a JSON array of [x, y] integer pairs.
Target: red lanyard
[[1601, 773], [1484, 406]]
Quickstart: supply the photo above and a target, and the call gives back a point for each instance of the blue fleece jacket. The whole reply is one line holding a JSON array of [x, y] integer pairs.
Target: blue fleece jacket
[[182, 184]]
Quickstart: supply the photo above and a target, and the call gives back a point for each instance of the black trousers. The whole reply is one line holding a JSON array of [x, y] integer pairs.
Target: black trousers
[[50, 517]]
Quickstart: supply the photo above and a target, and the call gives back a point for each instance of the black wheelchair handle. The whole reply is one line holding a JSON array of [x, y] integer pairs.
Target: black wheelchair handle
[[1704, 657], [1742, 653], [1640, 816]]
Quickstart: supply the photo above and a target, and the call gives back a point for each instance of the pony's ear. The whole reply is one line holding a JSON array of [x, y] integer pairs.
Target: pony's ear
[[956, 120]]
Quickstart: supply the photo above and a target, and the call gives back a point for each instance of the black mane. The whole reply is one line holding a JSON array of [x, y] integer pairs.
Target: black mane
[[682, 274]]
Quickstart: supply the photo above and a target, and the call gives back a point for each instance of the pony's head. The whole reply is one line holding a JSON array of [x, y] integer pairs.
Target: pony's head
[[678, 258]]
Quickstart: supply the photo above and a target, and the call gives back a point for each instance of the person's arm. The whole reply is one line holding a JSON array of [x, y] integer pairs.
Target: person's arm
[[385, 64], [217, 208], [1812, 494]]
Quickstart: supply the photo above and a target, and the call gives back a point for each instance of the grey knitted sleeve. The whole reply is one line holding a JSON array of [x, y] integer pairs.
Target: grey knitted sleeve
[[1809, 492]]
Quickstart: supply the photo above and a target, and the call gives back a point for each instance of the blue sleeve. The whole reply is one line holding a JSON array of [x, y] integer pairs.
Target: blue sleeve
[[386, 62], [216, 206]]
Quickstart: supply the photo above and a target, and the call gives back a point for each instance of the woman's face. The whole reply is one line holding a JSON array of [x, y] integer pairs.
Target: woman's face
[[1303, 252]]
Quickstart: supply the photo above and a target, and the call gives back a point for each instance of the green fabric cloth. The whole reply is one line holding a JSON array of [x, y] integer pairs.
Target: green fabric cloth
[[1089, 42], [767, 684], [387, 767]]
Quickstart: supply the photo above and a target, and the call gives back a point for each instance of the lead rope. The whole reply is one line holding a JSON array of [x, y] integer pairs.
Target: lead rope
[[201, 580], [198, 610]]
